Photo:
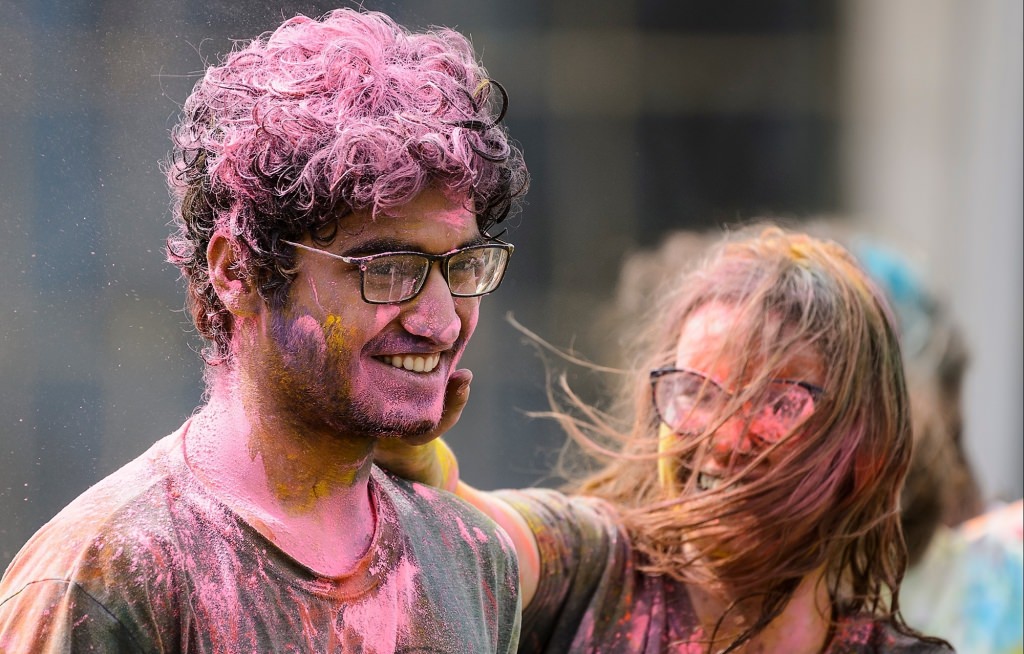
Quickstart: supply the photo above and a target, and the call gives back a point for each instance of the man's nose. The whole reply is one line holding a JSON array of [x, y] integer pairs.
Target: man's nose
[[431, 314]]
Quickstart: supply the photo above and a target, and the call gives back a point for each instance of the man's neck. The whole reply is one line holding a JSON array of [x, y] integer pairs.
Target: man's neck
[[304, 489]]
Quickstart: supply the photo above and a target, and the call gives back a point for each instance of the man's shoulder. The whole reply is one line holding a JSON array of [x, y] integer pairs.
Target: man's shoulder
[[424, 509], [108, 522], [411, 496], [460, 554], [130, 495]]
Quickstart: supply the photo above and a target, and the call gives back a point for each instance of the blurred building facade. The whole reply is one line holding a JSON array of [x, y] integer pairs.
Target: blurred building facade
[[636, 117]]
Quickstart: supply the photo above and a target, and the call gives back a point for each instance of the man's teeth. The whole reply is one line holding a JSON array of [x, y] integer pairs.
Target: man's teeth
[[414, 362], [707, 482]]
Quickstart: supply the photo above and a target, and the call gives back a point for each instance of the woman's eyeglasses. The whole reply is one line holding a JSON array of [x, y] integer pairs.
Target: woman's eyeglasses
[[687, 401]]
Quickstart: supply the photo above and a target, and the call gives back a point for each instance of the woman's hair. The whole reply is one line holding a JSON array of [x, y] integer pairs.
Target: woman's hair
[[940, 487], [830, 501], [321, 118]]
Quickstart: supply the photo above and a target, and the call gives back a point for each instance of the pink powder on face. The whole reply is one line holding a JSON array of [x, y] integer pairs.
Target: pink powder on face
[[451, 332], [307, 324], [455, 218], [316, 295], [424, 323], [306, 327], [384, 314]]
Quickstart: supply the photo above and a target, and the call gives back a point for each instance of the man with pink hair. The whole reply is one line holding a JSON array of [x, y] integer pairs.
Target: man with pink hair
[[319, 173]]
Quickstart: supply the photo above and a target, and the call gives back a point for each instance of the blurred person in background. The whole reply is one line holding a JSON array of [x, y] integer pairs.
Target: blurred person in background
[[750, 503], [966, 576], [334, 184]]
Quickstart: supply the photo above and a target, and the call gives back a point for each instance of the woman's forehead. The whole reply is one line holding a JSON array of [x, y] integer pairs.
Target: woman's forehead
[[708, 343]]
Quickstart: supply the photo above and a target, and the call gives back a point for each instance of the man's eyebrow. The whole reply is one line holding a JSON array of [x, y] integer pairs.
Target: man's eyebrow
[[390, 244]]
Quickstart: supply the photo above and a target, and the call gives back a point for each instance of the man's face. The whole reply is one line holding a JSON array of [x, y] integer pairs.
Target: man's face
[[372, 369]]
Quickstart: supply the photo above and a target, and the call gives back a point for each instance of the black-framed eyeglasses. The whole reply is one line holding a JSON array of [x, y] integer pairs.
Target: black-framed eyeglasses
[[687, 401], [394, 277]]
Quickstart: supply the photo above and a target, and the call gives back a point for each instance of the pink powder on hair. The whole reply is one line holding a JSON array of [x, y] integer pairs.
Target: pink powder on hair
[[383, 102]]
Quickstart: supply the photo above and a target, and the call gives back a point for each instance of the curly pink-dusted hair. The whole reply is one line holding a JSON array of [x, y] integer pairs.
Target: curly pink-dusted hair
[[321, 118]]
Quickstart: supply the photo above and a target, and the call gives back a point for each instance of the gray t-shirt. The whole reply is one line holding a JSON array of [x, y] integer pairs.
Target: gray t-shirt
[[148, 561]]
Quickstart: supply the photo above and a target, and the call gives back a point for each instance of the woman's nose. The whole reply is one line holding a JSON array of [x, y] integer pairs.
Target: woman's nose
[[731, 438]]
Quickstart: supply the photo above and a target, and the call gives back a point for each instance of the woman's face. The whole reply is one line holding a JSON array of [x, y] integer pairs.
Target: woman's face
[[786, 404]]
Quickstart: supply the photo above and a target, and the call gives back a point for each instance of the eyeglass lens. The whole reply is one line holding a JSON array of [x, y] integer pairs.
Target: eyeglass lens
[[399, 277], [476, 271], [687, 402], [394, 278]]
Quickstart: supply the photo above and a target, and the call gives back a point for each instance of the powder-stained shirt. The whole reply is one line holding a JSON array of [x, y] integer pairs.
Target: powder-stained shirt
[[147, 560], [592, 599]]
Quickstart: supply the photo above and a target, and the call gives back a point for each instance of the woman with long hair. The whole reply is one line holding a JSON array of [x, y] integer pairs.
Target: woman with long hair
[[752, 504]]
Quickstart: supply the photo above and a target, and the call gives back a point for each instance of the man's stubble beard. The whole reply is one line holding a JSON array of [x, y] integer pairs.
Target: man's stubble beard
[[315, 390]]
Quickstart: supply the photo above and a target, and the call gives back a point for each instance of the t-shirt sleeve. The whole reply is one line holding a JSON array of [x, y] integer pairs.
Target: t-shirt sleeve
[[509, 609], [586, 577], [54, 615]]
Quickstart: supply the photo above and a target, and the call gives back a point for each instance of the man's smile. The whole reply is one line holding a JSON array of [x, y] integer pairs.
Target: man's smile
[[413, 362]]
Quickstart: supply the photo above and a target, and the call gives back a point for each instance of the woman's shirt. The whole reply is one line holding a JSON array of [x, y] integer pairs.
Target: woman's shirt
[[592, 598]]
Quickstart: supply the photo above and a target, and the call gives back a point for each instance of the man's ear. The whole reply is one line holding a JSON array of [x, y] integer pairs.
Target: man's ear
[[232, 287]]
